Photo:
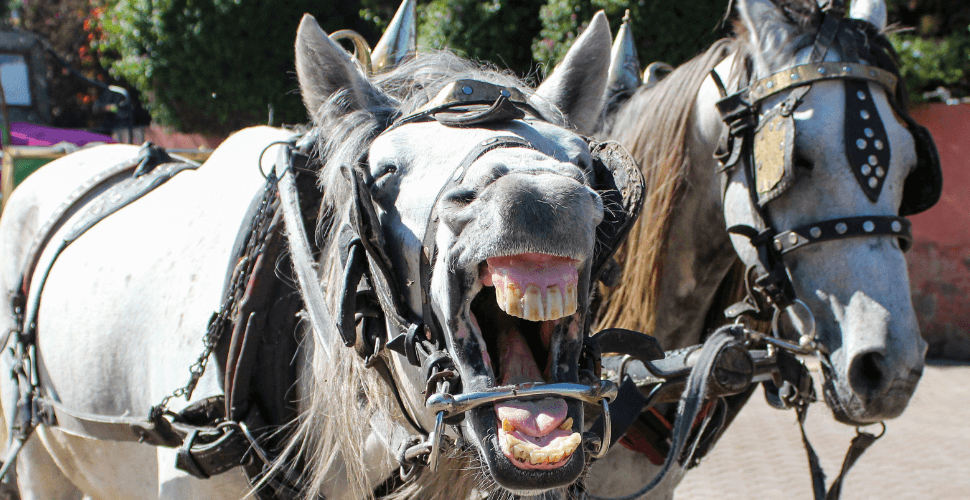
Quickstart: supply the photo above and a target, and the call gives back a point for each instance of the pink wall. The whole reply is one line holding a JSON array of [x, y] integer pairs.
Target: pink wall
[[939, 263]]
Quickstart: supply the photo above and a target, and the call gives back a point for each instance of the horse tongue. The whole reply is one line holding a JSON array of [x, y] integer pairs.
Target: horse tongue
[[533, 418]]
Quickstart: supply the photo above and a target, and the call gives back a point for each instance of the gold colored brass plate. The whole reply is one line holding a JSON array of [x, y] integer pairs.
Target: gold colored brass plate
[[808, 73]]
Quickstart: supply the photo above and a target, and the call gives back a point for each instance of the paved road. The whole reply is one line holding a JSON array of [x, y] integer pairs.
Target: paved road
[[925, 455]]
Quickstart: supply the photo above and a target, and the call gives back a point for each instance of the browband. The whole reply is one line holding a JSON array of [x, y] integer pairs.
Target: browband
[[806, 74]]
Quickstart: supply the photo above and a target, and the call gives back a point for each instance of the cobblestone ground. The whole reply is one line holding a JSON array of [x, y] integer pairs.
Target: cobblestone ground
[[925, 454]]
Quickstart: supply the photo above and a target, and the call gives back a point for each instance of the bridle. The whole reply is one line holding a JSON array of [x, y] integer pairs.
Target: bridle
[[762, 148], [761, 143], [370, 299]]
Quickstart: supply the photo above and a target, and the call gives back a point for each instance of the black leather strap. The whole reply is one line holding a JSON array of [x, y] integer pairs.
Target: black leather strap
[[846, 227], [429, 249]]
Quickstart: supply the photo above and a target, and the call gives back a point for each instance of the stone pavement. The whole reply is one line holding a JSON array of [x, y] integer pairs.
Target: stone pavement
[[925, 454]]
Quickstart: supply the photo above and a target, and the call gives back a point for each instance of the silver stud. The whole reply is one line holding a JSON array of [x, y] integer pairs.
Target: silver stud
[[847, 69], [865, 169], [506, 93], [872, 72], [861, 143], [869, 132], [868, 226], [781, 146], [873, 182], [873, 160], [880, 172], [878, 144], [794, 76], [821, 70], [793, 238], [467, 90], [771, 127], [816, 232], [779, 245], [770, 84], [864, 114], [897, 226], [841, 228], [759, 90]]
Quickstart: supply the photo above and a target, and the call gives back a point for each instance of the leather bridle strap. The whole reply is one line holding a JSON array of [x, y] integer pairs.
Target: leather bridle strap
[[429, 249], [846, 227]]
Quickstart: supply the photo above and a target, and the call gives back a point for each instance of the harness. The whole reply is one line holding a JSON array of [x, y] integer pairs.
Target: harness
[[763, 149], [221, 433]]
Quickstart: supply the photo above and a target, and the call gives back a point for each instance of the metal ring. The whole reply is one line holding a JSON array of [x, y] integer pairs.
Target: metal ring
[[607, 431], [790, 311], [259, 161], [435, 438], [627, 359], [858, 429]]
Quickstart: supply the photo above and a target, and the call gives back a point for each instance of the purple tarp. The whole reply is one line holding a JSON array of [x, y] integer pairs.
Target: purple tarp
[[28, 134]]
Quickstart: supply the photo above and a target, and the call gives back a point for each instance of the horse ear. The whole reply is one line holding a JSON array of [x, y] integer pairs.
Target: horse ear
[[873, 11], [324, 68], [577, 85], [768, 29]]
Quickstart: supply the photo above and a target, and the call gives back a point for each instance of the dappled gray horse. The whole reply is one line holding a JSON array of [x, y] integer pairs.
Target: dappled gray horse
[[461, 224], [795, 135]]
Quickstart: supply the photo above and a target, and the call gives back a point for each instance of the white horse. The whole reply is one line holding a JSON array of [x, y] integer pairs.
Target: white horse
[[856, 288], [126, 305]]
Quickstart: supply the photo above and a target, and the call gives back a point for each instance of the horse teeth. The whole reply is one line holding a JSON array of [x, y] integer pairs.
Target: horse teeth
[[566, 424], [554, 303], [556, 456], [513, 300], [507, 425], [532, 304], [538, 457], [570, 299]]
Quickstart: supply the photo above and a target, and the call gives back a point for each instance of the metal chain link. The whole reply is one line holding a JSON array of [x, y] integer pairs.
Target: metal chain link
[[255, 243]]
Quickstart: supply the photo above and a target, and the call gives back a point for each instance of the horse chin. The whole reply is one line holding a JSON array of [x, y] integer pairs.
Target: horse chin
[[510, 475]]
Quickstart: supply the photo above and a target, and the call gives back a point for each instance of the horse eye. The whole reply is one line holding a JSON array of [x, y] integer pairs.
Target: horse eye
[[385, 170], [802, 162]]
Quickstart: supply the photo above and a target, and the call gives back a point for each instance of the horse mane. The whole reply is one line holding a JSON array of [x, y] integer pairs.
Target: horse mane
[[655, 124], [339, 396]]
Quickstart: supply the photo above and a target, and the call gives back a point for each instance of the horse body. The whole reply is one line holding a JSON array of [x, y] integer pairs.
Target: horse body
[[857, 289], [126, 304], [145, 334]]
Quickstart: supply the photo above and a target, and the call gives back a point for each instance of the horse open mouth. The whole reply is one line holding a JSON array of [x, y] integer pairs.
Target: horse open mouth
[[519, 312]]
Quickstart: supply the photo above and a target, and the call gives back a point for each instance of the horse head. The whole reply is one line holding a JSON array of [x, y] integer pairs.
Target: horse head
[[480, 210], [852, 163], [806, 112]]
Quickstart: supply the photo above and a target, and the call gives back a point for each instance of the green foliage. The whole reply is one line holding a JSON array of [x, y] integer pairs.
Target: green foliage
[[928, 63], [214, 65], [498, 31], [672, 32]]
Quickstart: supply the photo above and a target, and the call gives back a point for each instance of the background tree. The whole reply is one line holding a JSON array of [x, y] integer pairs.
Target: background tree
[[216, 65]]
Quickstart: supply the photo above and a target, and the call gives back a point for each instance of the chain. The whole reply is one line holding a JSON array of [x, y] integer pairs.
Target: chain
[[218, 323]]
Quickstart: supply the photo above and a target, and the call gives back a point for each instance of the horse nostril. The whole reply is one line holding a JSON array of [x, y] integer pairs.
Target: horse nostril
[[867, 374]]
